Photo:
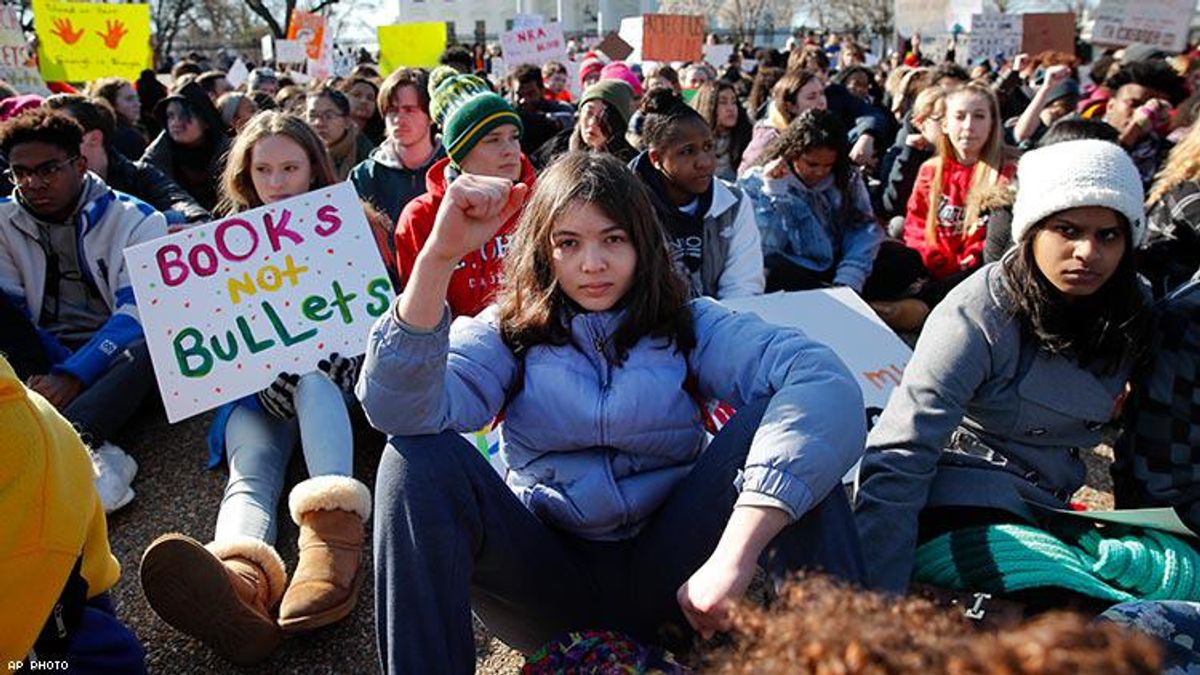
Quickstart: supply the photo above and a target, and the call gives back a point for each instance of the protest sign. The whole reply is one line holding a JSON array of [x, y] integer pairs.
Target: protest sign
[[614, 47], [840, 319], [290, 51], [536, 45], [18, 67], [632, 29], [995, 35], [308, 29], [926, 17], [672, 37], [1048, 32], [238, 73], [229, 305], [1162, 518], [80, 41], [1160, 23], [718, 55], [414, 45]]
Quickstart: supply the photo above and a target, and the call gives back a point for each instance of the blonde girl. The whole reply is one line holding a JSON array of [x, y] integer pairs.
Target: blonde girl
[[1171, 254]]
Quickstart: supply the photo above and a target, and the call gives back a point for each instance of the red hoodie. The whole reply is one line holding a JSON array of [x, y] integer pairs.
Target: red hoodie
[[955, 250], [476, 279]]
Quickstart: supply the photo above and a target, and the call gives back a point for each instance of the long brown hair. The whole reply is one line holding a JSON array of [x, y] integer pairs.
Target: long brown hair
[[987, 172], [533, 309], [236, 182], [786, 90], [705, 102]]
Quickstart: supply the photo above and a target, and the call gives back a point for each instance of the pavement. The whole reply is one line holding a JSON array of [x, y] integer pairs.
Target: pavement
[[176, 493]]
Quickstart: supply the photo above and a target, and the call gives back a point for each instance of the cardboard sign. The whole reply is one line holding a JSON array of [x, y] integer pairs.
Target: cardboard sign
[[414, 45], [229, 305], [673, 37], [841, 319], [995, 35], [536, 46], [1048, 32], [614, 47], [308, 29], [1161, 23], [18, 66], [80, 41]]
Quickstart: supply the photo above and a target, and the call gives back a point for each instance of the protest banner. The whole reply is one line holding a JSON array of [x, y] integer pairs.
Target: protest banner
[[308, 29], [18, 66], [1048, 32], [839, 318], [414, 45], [521, 21], [536, 45], [995, 35], [80, 41], [614, 47], [673, 37], [1160, 23], [229, 305]]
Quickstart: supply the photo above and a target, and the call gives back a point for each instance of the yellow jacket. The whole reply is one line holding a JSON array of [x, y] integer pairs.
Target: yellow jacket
[[50, 514]]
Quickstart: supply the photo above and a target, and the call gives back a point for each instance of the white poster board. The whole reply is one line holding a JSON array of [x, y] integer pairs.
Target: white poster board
[[1161, 23], [290, 51], [841, 319], [229, 305], [631, 32], [521, 21], [238, 73], [18, 67], [717, 56], [537, 45], [995, 34], [927, 17]]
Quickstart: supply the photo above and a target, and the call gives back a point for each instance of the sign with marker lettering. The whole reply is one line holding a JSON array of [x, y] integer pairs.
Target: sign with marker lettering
[[229, 305], [848, 325], [1159, 23], [537, 45]]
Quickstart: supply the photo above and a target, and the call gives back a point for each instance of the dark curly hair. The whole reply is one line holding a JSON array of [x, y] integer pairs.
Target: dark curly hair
[[1156, 75], [665, 112], [41, 125], [810, 130]]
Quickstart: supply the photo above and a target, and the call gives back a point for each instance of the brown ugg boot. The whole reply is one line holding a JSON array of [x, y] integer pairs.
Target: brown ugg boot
[[331, 512], [220, 594]]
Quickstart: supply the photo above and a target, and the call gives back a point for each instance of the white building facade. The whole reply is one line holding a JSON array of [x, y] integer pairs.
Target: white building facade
[[475, 20]]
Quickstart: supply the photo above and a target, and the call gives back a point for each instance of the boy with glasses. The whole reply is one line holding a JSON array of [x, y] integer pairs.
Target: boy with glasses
[[63, 277]]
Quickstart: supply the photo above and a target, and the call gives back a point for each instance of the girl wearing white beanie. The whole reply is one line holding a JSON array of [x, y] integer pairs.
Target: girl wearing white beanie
[[1019, 366]]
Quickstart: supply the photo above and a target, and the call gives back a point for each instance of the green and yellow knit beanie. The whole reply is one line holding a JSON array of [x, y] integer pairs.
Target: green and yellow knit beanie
[[1118, 566], [466, 110]]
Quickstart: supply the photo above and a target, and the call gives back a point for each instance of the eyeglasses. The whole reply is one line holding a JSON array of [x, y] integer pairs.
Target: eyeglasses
[[19, 175], [327, 116]]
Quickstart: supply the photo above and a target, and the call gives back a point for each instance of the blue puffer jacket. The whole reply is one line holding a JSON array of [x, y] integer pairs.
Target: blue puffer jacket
[[595, 449]]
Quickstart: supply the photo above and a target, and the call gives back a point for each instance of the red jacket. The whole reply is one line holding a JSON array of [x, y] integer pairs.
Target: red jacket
[[955, 249], [476, 279]]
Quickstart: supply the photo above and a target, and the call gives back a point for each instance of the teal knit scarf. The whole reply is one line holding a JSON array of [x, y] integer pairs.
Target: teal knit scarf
[[1142, 564]]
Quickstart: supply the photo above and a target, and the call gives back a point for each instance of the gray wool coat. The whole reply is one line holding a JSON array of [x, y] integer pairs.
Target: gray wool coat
[[982, 418]]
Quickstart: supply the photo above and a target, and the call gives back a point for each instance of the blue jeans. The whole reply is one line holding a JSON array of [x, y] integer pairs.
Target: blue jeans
[[1174, 623], [258, 448], [450, 537]]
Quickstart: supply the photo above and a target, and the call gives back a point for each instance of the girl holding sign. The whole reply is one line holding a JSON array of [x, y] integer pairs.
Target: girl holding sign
[[1017, 368], [611, 515], [224, 593]]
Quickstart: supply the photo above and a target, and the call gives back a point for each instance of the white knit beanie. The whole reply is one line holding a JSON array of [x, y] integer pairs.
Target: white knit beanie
[[1078, 173]]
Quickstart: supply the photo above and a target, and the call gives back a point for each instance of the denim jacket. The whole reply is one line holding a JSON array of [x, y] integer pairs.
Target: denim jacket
[[595, 448], [807, 226]]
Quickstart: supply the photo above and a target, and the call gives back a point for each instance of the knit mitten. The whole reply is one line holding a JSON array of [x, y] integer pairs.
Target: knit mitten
[[341, 370], [279, 398]]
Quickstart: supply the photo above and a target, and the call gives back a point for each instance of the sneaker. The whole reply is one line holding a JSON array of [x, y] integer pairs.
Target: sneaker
[[115, 457], [110, 483]]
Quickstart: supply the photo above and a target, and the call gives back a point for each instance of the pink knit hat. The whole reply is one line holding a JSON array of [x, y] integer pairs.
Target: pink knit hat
[[15, 105], [587, 67], [617, 70]]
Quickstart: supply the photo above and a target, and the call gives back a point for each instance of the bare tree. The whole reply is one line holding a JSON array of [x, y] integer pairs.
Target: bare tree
[[168, 18], [269, 11], [743, 17]]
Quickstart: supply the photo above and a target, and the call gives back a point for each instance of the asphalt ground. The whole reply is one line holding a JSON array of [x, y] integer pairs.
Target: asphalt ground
[[176, 493]]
